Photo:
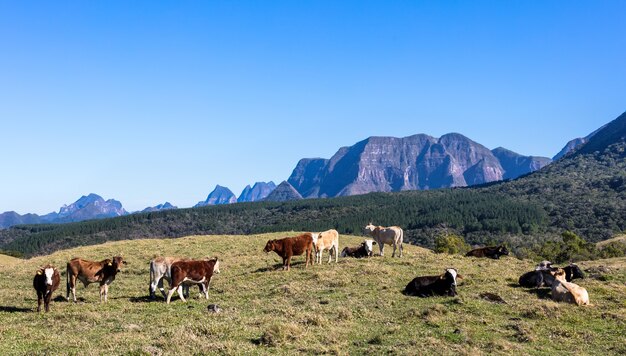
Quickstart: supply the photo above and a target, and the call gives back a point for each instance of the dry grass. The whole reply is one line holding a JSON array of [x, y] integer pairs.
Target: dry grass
[[353, 307], [6, 261]]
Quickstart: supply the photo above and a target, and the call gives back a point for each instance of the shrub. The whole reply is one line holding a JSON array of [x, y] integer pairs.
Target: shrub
[[451, 244]]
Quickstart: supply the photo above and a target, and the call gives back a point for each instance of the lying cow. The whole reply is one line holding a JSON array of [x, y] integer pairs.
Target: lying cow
[[46, 281], [291, 246], [392, 235], [427, 286], [363, 250], [491, 251], [160, 269], [541, 276], [327, 240], [563, 291], [88, 272], [192, 271]]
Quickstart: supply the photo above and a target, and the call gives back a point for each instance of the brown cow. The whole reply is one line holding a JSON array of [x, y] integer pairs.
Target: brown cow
[[192, 271], [490, 251], [291, 246], [91, 272], [45, 282]]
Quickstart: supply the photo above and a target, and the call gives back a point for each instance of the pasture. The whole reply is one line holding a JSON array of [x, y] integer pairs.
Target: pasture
[[352, 307]]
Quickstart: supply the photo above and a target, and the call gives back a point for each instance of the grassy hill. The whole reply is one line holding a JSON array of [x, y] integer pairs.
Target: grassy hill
[[353, 307], [8, 260]]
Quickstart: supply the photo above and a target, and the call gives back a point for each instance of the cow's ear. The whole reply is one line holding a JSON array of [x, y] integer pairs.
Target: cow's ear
[[39, 272], [458, 276], [374, 243]]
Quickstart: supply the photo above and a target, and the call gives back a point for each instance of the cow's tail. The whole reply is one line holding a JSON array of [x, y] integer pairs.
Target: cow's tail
[[152, 278], [67, 282]]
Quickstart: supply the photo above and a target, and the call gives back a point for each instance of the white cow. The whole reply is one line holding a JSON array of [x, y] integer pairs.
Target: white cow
[[327, 240], [392, 235]]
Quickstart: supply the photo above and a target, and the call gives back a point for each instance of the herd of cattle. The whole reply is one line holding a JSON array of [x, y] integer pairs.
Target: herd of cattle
[[180, 273]]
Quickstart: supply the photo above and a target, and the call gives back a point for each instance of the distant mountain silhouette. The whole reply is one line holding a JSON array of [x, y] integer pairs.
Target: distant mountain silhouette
[[418, 162], [284, 192], [165, 206], [258, 192], [219, 195]]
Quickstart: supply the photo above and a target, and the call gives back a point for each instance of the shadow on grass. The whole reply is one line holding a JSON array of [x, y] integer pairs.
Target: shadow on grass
[[278, 267], [8, 309], [541, 293]]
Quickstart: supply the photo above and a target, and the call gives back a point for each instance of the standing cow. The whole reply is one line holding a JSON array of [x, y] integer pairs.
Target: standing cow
[[88, 272], [192, 271], [392, 235], [46, 281], [327, 240], [291, 246], [160, 269]]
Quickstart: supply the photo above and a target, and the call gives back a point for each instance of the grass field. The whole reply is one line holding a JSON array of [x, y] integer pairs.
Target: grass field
[[353, 307]]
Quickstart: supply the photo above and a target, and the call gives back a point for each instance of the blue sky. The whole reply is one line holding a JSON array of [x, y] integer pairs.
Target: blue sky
[[148, 102]]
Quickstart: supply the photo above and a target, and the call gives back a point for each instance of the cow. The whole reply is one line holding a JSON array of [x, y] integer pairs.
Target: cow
[[88, 272], [363, 250], [392, 235], [46, 281], [490, 251], [160, 269], [327, 240], [192, 271], [427, 286], [291, 246], [563, 291], [541, 275]]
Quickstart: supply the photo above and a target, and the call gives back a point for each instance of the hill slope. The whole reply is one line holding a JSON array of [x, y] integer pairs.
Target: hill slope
[[353, 307]]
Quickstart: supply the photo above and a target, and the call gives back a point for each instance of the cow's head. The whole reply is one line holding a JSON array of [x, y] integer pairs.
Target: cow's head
[[576, 271], [47, 272], [544, 266], [558, 273], [503, 250], [451, 276], [369, 246], [315, 236], [369, 229], [216, 266], [117, 263], [269, 246]]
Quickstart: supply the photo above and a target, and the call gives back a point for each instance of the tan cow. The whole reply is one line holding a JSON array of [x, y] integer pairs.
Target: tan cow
[[89, 272], [392, 235], [327, 240], [563, 291], [160, 269]]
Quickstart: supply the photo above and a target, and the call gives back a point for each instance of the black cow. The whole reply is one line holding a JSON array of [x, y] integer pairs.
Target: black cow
[[427, 286], [541, 276], [491, 251]]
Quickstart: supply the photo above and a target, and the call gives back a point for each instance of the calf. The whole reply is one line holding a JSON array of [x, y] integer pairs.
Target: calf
[[363, 250], [327, 240], [491, 251], [192, 271], [46, 281], [427, 286], [291, 246], [563, 291], [88, 272]]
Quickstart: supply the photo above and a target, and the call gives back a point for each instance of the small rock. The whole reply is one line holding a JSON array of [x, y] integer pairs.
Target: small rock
[[214, 308]]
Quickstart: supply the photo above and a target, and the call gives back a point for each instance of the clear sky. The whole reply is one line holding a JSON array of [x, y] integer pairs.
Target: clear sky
[[156, 101]]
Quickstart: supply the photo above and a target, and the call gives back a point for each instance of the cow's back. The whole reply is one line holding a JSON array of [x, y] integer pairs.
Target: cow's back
[[327, 239], [299, 244], [192, 269]]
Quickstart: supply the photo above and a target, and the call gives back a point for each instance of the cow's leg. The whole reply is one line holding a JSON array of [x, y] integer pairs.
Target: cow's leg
[[205, 286], [47, 300], [72, 288], [39, 300], [170, 293], [337, 253], [401, 248], [394, 250], [381, 247], [330, 254], [179, 290]]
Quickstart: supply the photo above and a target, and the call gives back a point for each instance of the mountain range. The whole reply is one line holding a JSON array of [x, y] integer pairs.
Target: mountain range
[[376, 164]]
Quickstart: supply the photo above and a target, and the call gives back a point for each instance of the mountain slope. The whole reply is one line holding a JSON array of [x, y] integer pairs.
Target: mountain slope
[[284, 192], [258, 192], [219, 195], [418, 162]]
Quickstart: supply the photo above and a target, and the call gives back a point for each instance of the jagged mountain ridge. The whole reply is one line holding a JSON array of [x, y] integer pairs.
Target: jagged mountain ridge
[[418, 162], [164, 206], [284, 192], [219, 195], [258, 192]]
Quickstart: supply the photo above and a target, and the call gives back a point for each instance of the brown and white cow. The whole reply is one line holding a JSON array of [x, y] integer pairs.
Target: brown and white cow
[[392, 235], [192, 271], [563, 291], [88, 272], [327, 240], [160, 269], [291, 246], [46, 281]]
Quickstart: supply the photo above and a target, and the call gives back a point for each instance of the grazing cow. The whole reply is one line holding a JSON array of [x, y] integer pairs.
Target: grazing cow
[[327, 240], [160, 269], [46, 281], [563, 291], [541, 276], [89, 272], [392, 235], [491, 251], [291, 246], [427, 286], [363, 250], [192, 271]]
